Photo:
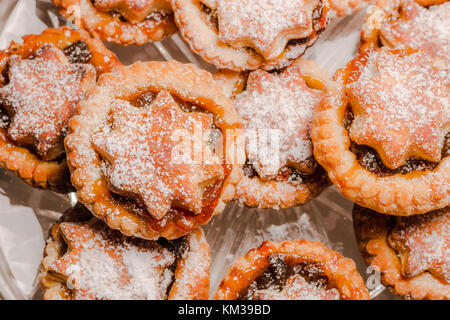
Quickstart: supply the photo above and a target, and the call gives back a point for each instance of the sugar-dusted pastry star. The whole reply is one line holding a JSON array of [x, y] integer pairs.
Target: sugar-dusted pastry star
[[401, 107], [134, 11], [40, 98], [103, 264], [277, 111], [297, 288], [266, 25], [424, 244], [422, 28], [143, 150]]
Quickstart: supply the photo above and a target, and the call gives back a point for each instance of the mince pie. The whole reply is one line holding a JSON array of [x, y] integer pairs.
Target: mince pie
[[382, 131], [121, 21], [404, 24], [253, 34], [277, 110], [412, 253], [41, 82], [292, 270], [152, 150], [85, 260]]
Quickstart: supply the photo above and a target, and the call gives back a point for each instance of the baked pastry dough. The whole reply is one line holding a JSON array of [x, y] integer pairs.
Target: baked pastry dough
[[277, 110], [251, 35], [412, 253], [121, 21], [382, 132], [41, 82], [141, 149], [84, 259], [292, 270], [403, 24], [343, 8]]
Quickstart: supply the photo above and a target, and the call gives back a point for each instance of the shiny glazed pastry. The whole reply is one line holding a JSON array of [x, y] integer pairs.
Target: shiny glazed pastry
[[41, 82], [84, 259], [292, 270], [277, 110], [121, 21], [411, 253], [151, 151], [382, 132]]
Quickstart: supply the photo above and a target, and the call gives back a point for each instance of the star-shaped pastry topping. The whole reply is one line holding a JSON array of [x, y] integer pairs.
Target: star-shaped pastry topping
[[401, 107], [422, 28], [277, 111], [149, 152], [103, 264], [40, 98], [133, 11], [265, 25], [423, 244], [297, 288]]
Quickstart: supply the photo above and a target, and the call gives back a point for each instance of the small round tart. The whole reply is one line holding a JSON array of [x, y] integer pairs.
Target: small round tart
[[41, 82], [412, 253], [255, 34], [277, 110], [401, 24], [84, 259], [151, 150], [121, 21], [292, 270], [382, 132]]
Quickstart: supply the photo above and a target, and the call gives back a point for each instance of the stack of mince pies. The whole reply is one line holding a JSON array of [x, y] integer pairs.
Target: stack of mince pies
[[156, 149]]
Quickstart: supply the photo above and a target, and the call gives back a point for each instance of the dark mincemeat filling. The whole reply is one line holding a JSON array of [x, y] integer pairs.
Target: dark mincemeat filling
[[311, 174], [210, 16], [145, 99], [178, 248], [306, 169], [370, 160], [78, 52], [279, 271]]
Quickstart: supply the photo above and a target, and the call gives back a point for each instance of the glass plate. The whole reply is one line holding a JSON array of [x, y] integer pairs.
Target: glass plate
[[26, 214]]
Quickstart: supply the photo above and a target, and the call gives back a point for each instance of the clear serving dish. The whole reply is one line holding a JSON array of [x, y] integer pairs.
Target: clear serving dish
[[26, 213]]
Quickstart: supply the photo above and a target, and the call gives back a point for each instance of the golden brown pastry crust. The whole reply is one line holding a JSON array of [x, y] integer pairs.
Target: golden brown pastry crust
[[204, 40], [263, 193], [112, 28], [341, 272], [386, 11], [372, 231], [415, 192], [344, 8], [191, 274], [52, 175], [187, 83]]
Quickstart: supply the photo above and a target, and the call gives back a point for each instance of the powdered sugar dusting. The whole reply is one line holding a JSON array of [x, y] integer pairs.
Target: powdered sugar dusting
[[425, 239], [144, 159], [401, 108], [267, 25], [277, 111], [102, 264], [41, 97], [422, 28]]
